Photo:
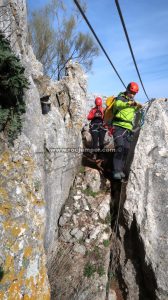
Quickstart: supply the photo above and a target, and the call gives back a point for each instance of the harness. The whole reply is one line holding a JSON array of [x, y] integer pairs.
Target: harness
[[98, 114], [97, 126]]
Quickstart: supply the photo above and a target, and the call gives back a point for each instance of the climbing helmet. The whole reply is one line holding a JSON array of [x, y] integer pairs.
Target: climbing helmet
[[133, 87], [98, 101]]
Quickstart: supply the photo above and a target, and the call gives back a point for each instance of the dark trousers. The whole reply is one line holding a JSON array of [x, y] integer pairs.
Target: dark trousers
[[122, 142], [98, 134]]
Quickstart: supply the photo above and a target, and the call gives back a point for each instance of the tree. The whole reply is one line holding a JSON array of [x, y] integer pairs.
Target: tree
[[55, 39]]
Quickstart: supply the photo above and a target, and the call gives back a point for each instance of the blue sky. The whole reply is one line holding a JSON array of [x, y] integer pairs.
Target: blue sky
[[147, 25]]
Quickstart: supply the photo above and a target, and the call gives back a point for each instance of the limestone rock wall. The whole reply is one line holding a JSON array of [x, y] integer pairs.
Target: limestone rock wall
[[61, 130], [143, 230], [22, 214], [36, 173]]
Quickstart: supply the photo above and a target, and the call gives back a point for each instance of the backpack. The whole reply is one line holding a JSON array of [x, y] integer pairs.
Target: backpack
[[108, 114]]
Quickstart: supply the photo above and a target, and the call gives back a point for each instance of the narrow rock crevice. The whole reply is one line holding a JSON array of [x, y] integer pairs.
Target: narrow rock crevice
[[132, 246], [116, 287], [134, 251]]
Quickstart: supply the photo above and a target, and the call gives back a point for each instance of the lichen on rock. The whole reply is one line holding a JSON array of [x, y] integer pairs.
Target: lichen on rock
[[22, 236]]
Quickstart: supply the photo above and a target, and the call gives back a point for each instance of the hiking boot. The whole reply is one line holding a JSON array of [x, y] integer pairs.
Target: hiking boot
[[122, 175], [94, 156], [117, 175]]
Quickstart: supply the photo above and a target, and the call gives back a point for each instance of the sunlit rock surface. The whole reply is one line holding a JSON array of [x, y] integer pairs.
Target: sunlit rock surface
[[144, 262], [36, 173]]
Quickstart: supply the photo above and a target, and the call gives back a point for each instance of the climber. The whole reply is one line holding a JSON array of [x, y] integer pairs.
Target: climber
[[97, 130], [124, 110]]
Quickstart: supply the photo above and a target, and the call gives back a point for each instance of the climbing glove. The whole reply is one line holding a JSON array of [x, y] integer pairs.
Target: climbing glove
[[134, 103], [139, 105]]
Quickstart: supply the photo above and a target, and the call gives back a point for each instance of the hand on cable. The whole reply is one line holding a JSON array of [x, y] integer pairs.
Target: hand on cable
[[134, 103], [139, 105]]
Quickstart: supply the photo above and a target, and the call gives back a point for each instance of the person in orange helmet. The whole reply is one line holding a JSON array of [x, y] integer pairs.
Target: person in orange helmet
[[124, 110], [97, 130]]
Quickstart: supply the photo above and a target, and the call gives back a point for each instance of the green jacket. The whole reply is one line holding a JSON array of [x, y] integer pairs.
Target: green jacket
[[124, 114]]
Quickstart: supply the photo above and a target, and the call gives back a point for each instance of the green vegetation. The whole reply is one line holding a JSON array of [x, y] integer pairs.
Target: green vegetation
[[25, 262], [81, 169], [89, 192], [37, 185], [112, 276], [108, 218], [12, 85], [1, 273], [81, 241], [76, 211], [89, 270], [106, 243], [55, 38], [100, 270], [94, 264]]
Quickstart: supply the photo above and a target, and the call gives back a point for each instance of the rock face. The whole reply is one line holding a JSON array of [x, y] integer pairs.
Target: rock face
[[37, 172], [59, 148], [144, 259], [22, 215], [14, 24]]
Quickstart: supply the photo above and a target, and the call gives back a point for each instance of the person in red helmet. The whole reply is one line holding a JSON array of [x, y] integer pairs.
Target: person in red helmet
[[132, 88], [97, 130], [124, 110]]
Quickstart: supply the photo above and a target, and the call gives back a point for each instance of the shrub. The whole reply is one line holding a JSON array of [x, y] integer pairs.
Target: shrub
[[100, 270], [106, 243], [12, 85], [89, 270], [89, 192]]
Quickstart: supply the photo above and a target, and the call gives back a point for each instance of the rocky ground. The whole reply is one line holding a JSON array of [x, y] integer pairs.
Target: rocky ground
[[80, 268]]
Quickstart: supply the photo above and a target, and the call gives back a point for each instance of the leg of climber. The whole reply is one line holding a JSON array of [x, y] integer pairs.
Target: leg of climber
[[128, 137], [95, 137], [119, 156], [102, 133]]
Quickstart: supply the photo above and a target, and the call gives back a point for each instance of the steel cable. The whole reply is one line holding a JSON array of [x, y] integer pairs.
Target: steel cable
[[96, 37], [129, 44]]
